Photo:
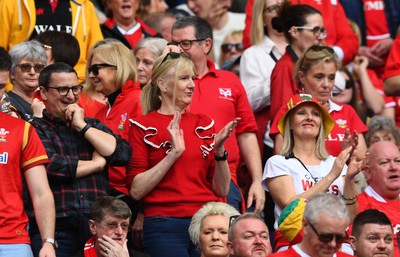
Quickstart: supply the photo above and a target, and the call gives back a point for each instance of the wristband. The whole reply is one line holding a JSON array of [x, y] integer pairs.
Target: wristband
[[224, 157], [52, 242], [85, 129], [349, 199]]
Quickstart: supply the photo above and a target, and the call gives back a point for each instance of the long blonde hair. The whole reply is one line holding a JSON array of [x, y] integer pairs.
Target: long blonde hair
[[163, 67]]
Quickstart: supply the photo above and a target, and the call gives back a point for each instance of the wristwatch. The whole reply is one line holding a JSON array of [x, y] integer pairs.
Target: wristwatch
[[224, 157], [51, 241]]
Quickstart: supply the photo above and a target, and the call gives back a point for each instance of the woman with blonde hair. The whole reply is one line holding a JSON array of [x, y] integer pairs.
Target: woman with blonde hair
[[209, 227], [179, 163]]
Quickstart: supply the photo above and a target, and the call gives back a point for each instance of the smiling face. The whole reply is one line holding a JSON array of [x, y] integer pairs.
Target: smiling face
[[374, 240], [251, 239], [383, 173], [305, 120], [178, 94], [105, 81], [54, 102], [214, 236], [319, 80]]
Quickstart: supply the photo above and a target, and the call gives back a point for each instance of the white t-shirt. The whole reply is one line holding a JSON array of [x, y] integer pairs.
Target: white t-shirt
[[277, 166]]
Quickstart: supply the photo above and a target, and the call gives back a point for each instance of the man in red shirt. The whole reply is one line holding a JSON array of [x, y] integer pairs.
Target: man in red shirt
[[325, 220], [383, 191], [220, 95]]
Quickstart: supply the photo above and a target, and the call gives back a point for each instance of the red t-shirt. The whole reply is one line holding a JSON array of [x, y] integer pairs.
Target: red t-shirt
[[375, 21], [392, 67], [186, 187], [20, 150], [370, 199], [294, 251], [221, 96]]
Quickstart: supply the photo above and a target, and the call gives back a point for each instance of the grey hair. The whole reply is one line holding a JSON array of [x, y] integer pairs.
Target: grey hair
[[247, 215], [154, 45], [209, 209], [30, 50], [326, 203], [382, 123]]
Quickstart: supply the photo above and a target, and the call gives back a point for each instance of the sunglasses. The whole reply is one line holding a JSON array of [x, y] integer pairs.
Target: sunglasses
[[76, 90], [96, 67], [27, 67], [326, 238], [186, 44], [173, 55], [349, 84], [316, 30], [226, 48]]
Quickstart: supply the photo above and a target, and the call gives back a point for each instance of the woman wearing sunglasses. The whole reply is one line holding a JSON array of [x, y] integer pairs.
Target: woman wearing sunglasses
[[28, 60], [179, 163], [303, 167]]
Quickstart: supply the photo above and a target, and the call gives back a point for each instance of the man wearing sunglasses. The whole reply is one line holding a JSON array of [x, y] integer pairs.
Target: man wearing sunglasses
[[220, 95], [79, 150], [325, 220]]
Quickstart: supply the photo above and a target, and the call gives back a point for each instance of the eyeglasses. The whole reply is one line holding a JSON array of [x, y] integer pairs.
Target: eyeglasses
[[113, 226], [95, 68], [226, 48], [316, 30], [326, 238], [272, 9], [26, 67], [173, 55], [76, 90], [186, 44]]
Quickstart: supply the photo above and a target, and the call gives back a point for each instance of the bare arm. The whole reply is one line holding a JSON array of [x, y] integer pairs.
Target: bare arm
[[250, 153], [282, 187], [392, 85], [222, 175], [349, 188], [95, 165], [43, 204], [144, 182]]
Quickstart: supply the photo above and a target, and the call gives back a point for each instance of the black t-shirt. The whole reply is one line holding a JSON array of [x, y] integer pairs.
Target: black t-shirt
[[46, 19]]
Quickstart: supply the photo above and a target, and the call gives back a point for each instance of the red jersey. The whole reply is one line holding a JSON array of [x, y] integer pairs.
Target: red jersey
[[295, 251], [221, 96], [20, 150], [392, 67], [370, 199], [126, 106]]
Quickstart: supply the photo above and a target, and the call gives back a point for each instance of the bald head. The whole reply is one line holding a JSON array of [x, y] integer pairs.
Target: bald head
[[383, 171]]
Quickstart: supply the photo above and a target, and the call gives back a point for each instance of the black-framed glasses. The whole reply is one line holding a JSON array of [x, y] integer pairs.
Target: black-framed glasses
[[96, 67], [113, 226], [317, 30], [26, 67], [186, 44], [272, 8], [76, 90], [226, 48], [326, 238]]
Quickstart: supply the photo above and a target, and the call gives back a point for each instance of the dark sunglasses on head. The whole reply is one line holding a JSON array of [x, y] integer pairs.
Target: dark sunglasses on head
[[232, 219], [318, 48], [226, 48], [326, 238], [26, 67], [173, 55], [95, 68]]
